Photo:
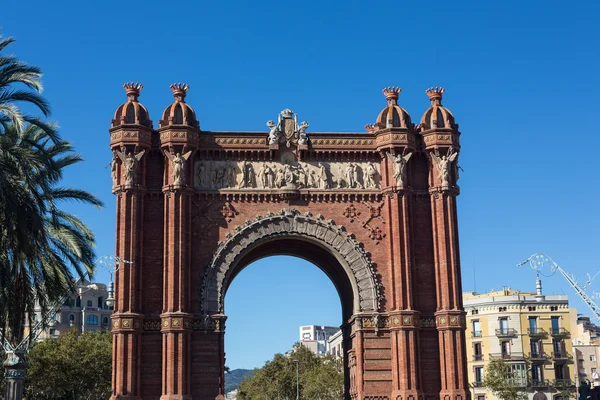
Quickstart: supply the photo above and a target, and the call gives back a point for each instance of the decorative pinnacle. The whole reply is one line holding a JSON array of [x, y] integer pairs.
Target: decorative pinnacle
[[391, 93], [435, 95], [179, 90], [133, 90], [371, 127]]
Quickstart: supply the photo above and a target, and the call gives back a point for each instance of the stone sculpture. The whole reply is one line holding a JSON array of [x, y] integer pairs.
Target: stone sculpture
[[371, 176], [248, 176], [400, 162], [178, 166], [113, 169], [302, 136], [273, 132], [323, 177], [130, 164], [443, 166]]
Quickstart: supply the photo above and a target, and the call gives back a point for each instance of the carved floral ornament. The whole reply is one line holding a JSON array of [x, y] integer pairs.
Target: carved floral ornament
[[291, 223]]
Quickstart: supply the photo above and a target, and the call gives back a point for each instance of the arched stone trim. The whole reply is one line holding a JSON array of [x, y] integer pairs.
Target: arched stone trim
[[291, 223]]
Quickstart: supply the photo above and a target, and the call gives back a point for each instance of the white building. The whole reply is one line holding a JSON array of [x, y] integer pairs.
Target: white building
[[335, 345], [316, 337], [85, 310]]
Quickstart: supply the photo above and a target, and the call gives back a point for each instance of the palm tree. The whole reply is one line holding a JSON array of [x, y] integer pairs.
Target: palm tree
[[39, 242], [13, 71]]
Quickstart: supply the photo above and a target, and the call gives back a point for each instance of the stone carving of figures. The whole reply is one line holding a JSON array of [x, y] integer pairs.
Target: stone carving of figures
[[219, 175], [312, 179], [302, 176], [288, 175], [270, 177], [323, 178], [352, 176], [113, 169], [370, 176], [248, 175], [200, 170], [302, 136], [230, 174], [262, 176], [341, 180], [279, 177], [130, 164], [273, 132], [178, 166], [400, 162], [443, 165]]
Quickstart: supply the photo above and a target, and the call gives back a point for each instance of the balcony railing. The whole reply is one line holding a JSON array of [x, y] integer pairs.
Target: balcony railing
[[562, 356], [563, 383], [538, 383], [537, 357], [513, 356], [476, 334], [506, 332], [559, 332], [477, 384], [537, 332], [477, 357]]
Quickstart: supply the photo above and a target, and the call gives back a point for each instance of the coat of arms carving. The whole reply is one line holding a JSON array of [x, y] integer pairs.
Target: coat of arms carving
[[287, 130]]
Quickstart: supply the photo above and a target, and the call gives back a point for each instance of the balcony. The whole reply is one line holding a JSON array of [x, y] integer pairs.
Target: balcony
[[506, 332], [537, 357], [538, 383], [563, 356], [560, 383], [559, 332], [477, 357], [476, 334], [477, 384], [513, 356], [537, 332]]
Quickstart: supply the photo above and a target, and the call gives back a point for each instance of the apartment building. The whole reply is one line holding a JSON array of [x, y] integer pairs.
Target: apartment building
[[530, 331], [586, 346], [316, 337]]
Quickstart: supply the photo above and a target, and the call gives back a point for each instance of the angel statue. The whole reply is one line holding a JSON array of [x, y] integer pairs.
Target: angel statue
[[113, 170], [443, 165], [178, 166], [302, 136], [273, 133], [130, 164], [400, 162]]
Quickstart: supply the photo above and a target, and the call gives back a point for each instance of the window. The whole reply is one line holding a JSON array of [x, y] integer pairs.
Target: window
[[520, 374], [559, 371], [52, 331], [477, 355], [104, 321], [474, 311], [555, 325], [536, 347], [505, 347], [537, 374], [91, 320], [78, 301], [481, 397], [478, 374], [71, 318], [476, 329], [89, 303], [533, 325], [592, 357], [100, 301], [504, 326], [558, 347]]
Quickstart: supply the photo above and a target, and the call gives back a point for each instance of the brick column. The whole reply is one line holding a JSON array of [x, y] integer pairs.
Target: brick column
[[176, 317]]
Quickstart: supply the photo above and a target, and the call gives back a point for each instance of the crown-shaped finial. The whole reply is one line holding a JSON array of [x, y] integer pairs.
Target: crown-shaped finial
[[435, 94], [179, 90], [391, 93], [371, 127], [133, 90]]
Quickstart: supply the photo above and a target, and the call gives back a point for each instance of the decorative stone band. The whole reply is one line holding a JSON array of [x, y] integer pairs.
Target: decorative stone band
[[179, 137], [127, 323], [290, 223], [396, 320], [438, 191], [14, 373], [119, 190], [195, 323], [130, 137], [450, 320], [448, 139]]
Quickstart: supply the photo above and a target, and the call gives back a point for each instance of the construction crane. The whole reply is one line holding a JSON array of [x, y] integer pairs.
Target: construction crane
[[544, 265]]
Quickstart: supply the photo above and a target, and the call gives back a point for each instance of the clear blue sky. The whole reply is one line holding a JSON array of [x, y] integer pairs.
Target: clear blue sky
[[521, 79]]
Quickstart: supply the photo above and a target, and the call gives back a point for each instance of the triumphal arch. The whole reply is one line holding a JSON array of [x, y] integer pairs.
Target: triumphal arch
[[375, 210]]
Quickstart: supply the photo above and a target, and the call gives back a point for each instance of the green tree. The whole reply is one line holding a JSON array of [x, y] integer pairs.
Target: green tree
[[14, 72], [501, 380], [70, 367], [319, 377], [40, 241]]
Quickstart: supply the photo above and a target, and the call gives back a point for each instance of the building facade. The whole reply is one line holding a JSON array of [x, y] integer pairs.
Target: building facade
[[335, 345], [375, 210], [318, 337], [85, 310], [586, 344], [530, 331]]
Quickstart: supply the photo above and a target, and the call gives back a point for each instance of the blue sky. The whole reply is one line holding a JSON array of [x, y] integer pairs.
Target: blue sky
[[520, 77]]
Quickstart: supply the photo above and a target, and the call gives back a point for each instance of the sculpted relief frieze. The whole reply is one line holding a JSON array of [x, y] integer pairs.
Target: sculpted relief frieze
[[218, 174]]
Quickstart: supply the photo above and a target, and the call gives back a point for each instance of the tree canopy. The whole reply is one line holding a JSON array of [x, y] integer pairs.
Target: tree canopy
[[320, 378], [501, 380]]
